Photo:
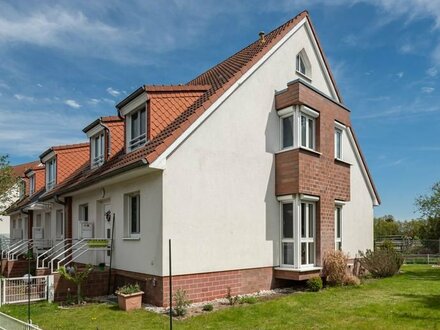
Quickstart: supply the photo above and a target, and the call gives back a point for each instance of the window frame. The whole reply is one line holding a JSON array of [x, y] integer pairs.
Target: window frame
[[299, 61], [282, 118], [59, 234], [51, 167], [338, 147], [287, 240], [31, 184], [338, 225], [309, 238], [83, 212], [135, 142], [307, 118], [129, 233], [97, 151]]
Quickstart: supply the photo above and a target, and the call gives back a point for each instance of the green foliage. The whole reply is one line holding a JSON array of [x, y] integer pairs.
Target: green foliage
[[76, 277], [314, 284], [208, 307], [384, 262], [429, 205], [386, 226], [247, 300], [129, 289], [232, 300], [181, 302], [7, 180]]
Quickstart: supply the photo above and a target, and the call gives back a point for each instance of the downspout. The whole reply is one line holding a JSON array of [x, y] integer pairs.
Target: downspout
[[58, 201]]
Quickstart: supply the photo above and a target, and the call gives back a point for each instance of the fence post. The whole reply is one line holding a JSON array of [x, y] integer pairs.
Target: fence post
[[428, 258], [1, 290], [50, 288]]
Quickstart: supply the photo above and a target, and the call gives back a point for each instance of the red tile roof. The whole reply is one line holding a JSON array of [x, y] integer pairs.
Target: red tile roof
[[20, 169], [175, 108]]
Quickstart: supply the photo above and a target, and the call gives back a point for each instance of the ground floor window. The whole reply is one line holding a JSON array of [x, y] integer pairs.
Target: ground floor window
[[60, 224], [298, 223], [338, 227], [133, 215]]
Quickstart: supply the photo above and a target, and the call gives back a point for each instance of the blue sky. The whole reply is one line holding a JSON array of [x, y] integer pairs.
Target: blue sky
[[64, 63]]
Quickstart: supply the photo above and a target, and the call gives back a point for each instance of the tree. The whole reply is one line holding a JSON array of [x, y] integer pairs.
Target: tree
[[76, 277], [412, 228], [429, 205], [7, 181], [386, 226]]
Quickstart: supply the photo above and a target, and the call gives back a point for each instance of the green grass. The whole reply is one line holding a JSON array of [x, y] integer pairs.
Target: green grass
[[407, 301]]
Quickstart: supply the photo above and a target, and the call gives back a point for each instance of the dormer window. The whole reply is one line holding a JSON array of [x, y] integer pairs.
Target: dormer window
[[137, 125], [50, 173], [31, 184], [21, 188], [98, 147], [303, 65]]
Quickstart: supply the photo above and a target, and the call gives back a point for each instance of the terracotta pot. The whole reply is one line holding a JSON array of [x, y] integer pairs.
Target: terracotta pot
[[128, 302]]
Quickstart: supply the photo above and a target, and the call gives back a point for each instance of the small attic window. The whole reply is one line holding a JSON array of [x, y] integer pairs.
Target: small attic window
[[303, 64]]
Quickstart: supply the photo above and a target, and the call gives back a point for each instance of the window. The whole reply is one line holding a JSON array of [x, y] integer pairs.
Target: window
[[307, 229], [38, 220], [287, 234], [338, 143], [32, 184], [98, 148], [133, 222], [50, 173], [84, 212], [338, 228], [287, 131], [300, 65], [307, 129], [59, 224], [22, 188], [137, 124]]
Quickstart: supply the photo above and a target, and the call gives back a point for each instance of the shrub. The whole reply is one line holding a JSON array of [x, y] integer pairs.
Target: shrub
[[75, 276], [336, 271], [232, 300], [207, 307], [382, 262], [314, 284], [129, 289], [248, 300], [181, 302]]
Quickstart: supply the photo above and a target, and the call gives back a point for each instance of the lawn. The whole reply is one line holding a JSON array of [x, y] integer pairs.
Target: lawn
[[407, 301]]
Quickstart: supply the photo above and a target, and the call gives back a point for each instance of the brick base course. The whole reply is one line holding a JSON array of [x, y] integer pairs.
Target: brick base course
[[16, 268]]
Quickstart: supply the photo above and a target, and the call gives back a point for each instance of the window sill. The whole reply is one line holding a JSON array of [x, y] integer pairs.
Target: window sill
[[302, 75], [298, 270], [338, 160], [131, 238], [310, 150]]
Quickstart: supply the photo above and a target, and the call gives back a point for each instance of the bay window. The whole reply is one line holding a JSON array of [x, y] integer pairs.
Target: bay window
[[307, 125]]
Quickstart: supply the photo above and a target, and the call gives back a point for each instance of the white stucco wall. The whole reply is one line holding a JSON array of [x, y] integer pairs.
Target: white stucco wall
[[357, 215], [220, 208], [143, 255]]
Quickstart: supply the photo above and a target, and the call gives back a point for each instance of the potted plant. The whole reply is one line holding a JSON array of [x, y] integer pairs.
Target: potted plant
[[101, 266], [129, 297]]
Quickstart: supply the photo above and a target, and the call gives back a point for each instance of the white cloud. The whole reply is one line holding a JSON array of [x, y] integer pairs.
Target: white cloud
[[406, 48], [400, 74], [39, 85], [427, 90], [21, 97], [72, 104], [432, 72], [113, 92]]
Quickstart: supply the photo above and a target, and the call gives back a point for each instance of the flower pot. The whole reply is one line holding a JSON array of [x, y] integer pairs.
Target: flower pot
[[128, 302]]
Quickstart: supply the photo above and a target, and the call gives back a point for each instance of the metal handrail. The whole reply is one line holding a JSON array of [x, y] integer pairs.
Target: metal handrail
[[52, 251], [11, 246], [17, 250], [65, 251]]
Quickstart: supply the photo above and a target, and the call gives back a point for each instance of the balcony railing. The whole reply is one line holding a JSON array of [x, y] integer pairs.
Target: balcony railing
[[137, 141]]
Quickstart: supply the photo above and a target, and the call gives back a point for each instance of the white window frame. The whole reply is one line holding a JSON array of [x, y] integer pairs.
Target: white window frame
[[299, 61], [302, 58], [21, 188], [97, 150], [128, 215], [338, 146], [309, 238], [338, 240], [82, 213], [297, 240], [59, 225], [31, 184], [282, 146], [308, 145], [135, 142], [51, 173]]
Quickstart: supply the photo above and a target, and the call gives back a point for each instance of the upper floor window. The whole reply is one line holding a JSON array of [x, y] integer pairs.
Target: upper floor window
[[307, 128], [303, 64], [21, 188], [338, 143], [98, 146], [84, 212], [32, 184], [137, 125], [287, 131], [50, 173]]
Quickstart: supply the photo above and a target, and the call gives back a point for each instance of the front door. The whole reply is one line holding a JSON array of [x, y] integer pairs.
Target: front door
[[107, 229]]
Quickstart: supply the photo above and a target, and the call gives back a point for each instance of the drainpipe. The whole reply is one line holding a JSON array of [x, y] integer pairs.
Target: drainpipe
[[58, 201]]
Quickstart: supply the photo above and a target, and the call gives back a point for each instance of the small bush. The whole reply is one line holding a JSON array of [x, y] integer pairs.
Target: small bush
[[232, 300], [248, 300], [207, 307], [383, 262], [314, 284], [181, 302], [336, 271]]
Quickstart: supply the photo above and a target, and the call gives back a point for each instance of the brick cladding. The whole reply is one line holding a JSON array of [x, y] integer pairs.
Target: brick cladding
[[300, 171]]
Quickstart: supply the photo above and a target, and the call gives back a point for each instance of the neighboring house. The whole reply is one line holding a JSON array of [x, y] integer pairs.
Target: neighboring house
[[15, 193], [252, 169]]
